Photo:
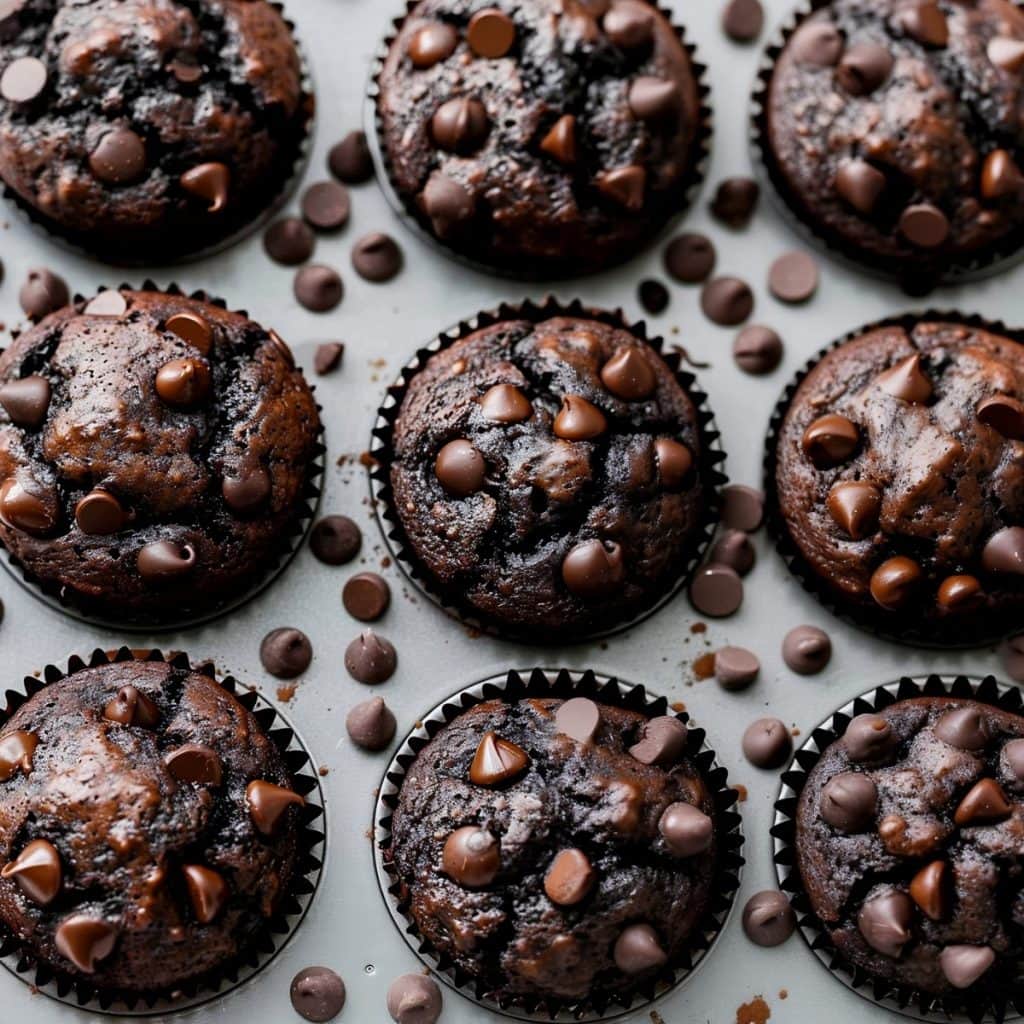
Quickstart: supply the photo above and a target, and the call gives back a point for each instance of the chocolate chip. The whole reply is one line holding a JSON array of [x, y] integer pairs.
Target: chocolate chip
[[690, 258], [318, 288], [735, 201], [965, 965], [43, 293], [885, 921], [727, 301], [654, 99], [85, 941], [414, 999], [371, 725], [717, 591], [742, 20], [377, 257], [855, 506], [849, 802], [268, 804], [505, 403], [289, 241], [29, 507], [432, 44], [768, 918], [735, 550], [958, 594], [570, 878], [327, 357], [1001, 178], [350, 160], [448, 204], [471, 857], [460, 125], [36, 871], [107, 303], [894, 582], [907, 381], [629, 25], [806, 650], [366, 596], [1006, 53], [984, 804], [210, 182], [819, 43], [1013, 757], [16, 751], [26, 401], [926, 23], [687, 830], [742, 508], [131, 707], [192, 328], [638, 950], [674, 461], [870, 739], [335, 540], [286, 652], [497, 761], [491, 33], [370, 659], [964, 728], [23, 80], [830, 441], [860, 184], [625, 186], [1003, 414], [207, 892], [594, 570], [194, 763], [663, 742], [185, 69], [326, 206], [924, 225], [1004, 551], [579, 719], [863, 68], [99, 513], [930, 889], [627, 375], [183, 383], [460, 468], [793, 277], [767, 743], [119, 158], [579, 420], [246, 489], [560, 141], [653, 295], [317, 994], [757, 350]]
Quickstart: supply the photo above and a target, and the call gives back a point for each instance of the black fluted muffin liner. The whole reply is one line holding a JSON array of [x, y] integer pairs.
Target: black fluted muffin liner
[[946, 270], [710, 470], [515, 686], [688, 189], [289, 541], [273, 934], [89, 244], [978, 1007], [943, 634]]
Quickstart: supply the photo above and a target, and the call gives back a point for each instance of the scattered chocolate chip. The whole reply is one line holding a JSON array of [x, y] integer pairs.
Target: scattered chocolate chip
[[870, 739], [627, 375], [491, 33], [43, 293], [448, 204], [716, 591], [414, 999], [335, 540], [246, 489], [505, 403], [107, 303], [894, 582], [629, 26], [497, 761], [29, 507], [855, 506], [931, 888], [638, 950], [131, 707], [317, 994], [432, 44], [1004, 414], [625, 186], [742, 20], [1006, 53], [863, 68], [185, 69], [268, 803], [99, 513], [690, 258], [471, 857], [958, 594], [964, 965], [377, 257], [85, 941], [318, 288], [687, 830], [119, 158], [26, 401], [830, 441], [210, 182], [16, 751], [289, 241], [860, 184], [37, 872], [885, 922], [460, 125], [742, 508], [757, 350], [350, 160], [578, 718], [23, 80], [767, 743], [984, 804], [736, 668], [207, 891], [165, 561], [819, 43], [654, 99], [906, 381], [793, 277], [849, 802], [184, 383], [370, 659], [653, 295], [674, 461], [594, 570], [768, 918], [926, 23], [192, 328], [963, 728], [326, 206], [371, 725], [460, 468], [194, 763], [579, 420], [663, 742], [924, 225], [807, 650], [735, 201], [727, 301], [735, 550], [560, 141], [1013, 758], [570, 878], [366, 596], [1004, 551], [286, 652], [327, 357]]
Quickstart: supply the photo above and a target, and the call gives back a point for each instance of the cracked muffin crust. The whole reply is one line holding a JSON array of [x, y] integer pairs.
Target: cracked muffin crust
[[549, 475], [909, 837], [145, 130], [147, 826], [546, 137], [895, 129], [561, 850], [899, 470], [154, 449]]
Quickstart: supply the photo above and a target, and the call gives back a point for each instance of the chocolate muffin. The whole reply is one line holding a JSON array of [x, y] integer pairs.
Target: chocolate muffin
[[550, 477], [148, 828], [145, 130], [556, 850], [909, 834], [154, 450], [541, 137], [900, 480], [893, 129]]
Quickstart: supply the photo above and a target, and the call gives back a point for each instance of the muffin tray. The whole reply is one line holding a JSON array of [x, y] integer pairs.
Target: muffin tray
[[348, 925]]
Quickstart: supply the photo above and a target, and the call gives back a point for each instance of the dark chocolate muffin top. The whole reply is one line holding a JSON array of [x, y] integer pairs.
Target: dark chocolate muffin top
[[153, 451], [897, 128], [900, 477], [549, 475], [147, 826], [561, 850], [544, 136], [148, 129], [909, 837]]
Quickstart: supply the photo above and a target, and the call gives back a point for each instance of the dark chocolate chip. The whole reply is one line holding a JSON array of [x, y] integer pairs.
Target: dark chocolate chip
[[570, 878], [863, 68], [727, 301], [246, 489], [448, 204], [793, 277], [16, 752], [26, 401], [194, 763], [99, 513], [926, 23], [716, 591], [326, 206], [119, 158], [207, 891], [806, 650], [629, 26], [1004, 551], [85, 941], [350, 160], [366, 596], [958, 594], [460, 468], [210, 182], [653, 295], [286, 652], [757, 350], [654, 99], [742, 20], [491, 33], [855, 506], [964, 728], [560, 141], [906, 381], [371, 725], [690, 258], [885, 922], [132, 707], [289, 241], [37, 872], [471, 857], [414, 999], [830, 440], [1004, 414], [43, 293], [819, 43], [432, 44], [268, 804], [370, 659], [377, 257], [579, 420], [335, 540], [768, 918], [327, 357], [317, 994], [849, 802], [687, 830], [984, 804], [742, 508], [931, 890], [735, 201], [638, 950], [594, 570], [497, 761], [29, 507], [735, 550], [674, 461], [505, 403], [870, 739], [894, 582], [860, 184], [165, 561], [924, 225], [318, 288], [767, 743], [628, 375], [193, 329], [460, 125], [625, 186]]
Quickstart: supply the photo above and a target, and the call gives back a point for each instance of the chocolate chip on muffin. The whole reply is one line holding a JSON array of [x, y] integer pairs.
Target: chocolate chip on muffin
[[550, 475], [540, 137], [148, 827], [153, 448], [149, 129], [899, 479], [894, 131], [556, 849], [908, 831]]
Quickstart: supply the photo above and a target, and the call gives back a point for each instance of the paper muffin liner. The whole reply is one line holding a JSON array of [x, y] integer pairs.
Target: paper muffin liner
[[948, 634], [944, 270], [274, 933], [287, 545], [975, 1006], [89, 244], [710, 471], [515, 686], [687, 190]]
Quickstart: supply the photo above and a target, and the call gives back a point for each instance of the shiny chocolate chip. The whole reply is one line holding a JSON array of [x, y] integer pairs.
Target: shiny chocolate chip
[[926, 23], [629, 26], [625, 186], [246, 489], [165, 561], [807, 650], [16, 752], [1003, 413], [99, 513], [690, 258], [716, 591], [863, 68], [37, 872], [207, 892], [578, 718], [629, 375], [1001, 177], [26, 401], [371, 659], [907, 381], [638, 950], [31, 508], [1004, 551], [579, 420], [931, 890], [594, 570], [958, 594], [560, 141], [885, 921], [286, 652], [497, 761], [984, 804], [471, 857], [85, 941], [460, 468], [193, 329], [432, 44], [654, 99], [460, 125], [686, 829], [350, 160], [491, 33], [505, 403], [210, 182], [768, 918], [570, 878], [727, 301], [895, 581], [119, 158], [870, 739], [965, 965], [366, 596], [183, 383], [767, 743], [268, 804], [662, 742], [849, 802], [924, 225], [131, 707], [674, 461], [860, 184], [855, 506], [194, 763], [964, 728], [43, 292], [371, 724]]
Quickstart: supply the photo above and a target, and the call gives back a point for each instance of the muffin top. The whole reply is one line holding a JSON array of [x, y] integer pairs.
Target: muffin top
[[542, 136], [900, 476], [896, 125], [147, 826], [549, 474], [556, 849], [153, 448], [147, 128], [909, 832]]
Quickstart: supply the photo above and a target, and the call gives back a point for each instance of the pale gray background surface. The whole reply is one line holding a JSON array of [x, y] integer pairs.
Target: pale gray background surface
[[348, 927]]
